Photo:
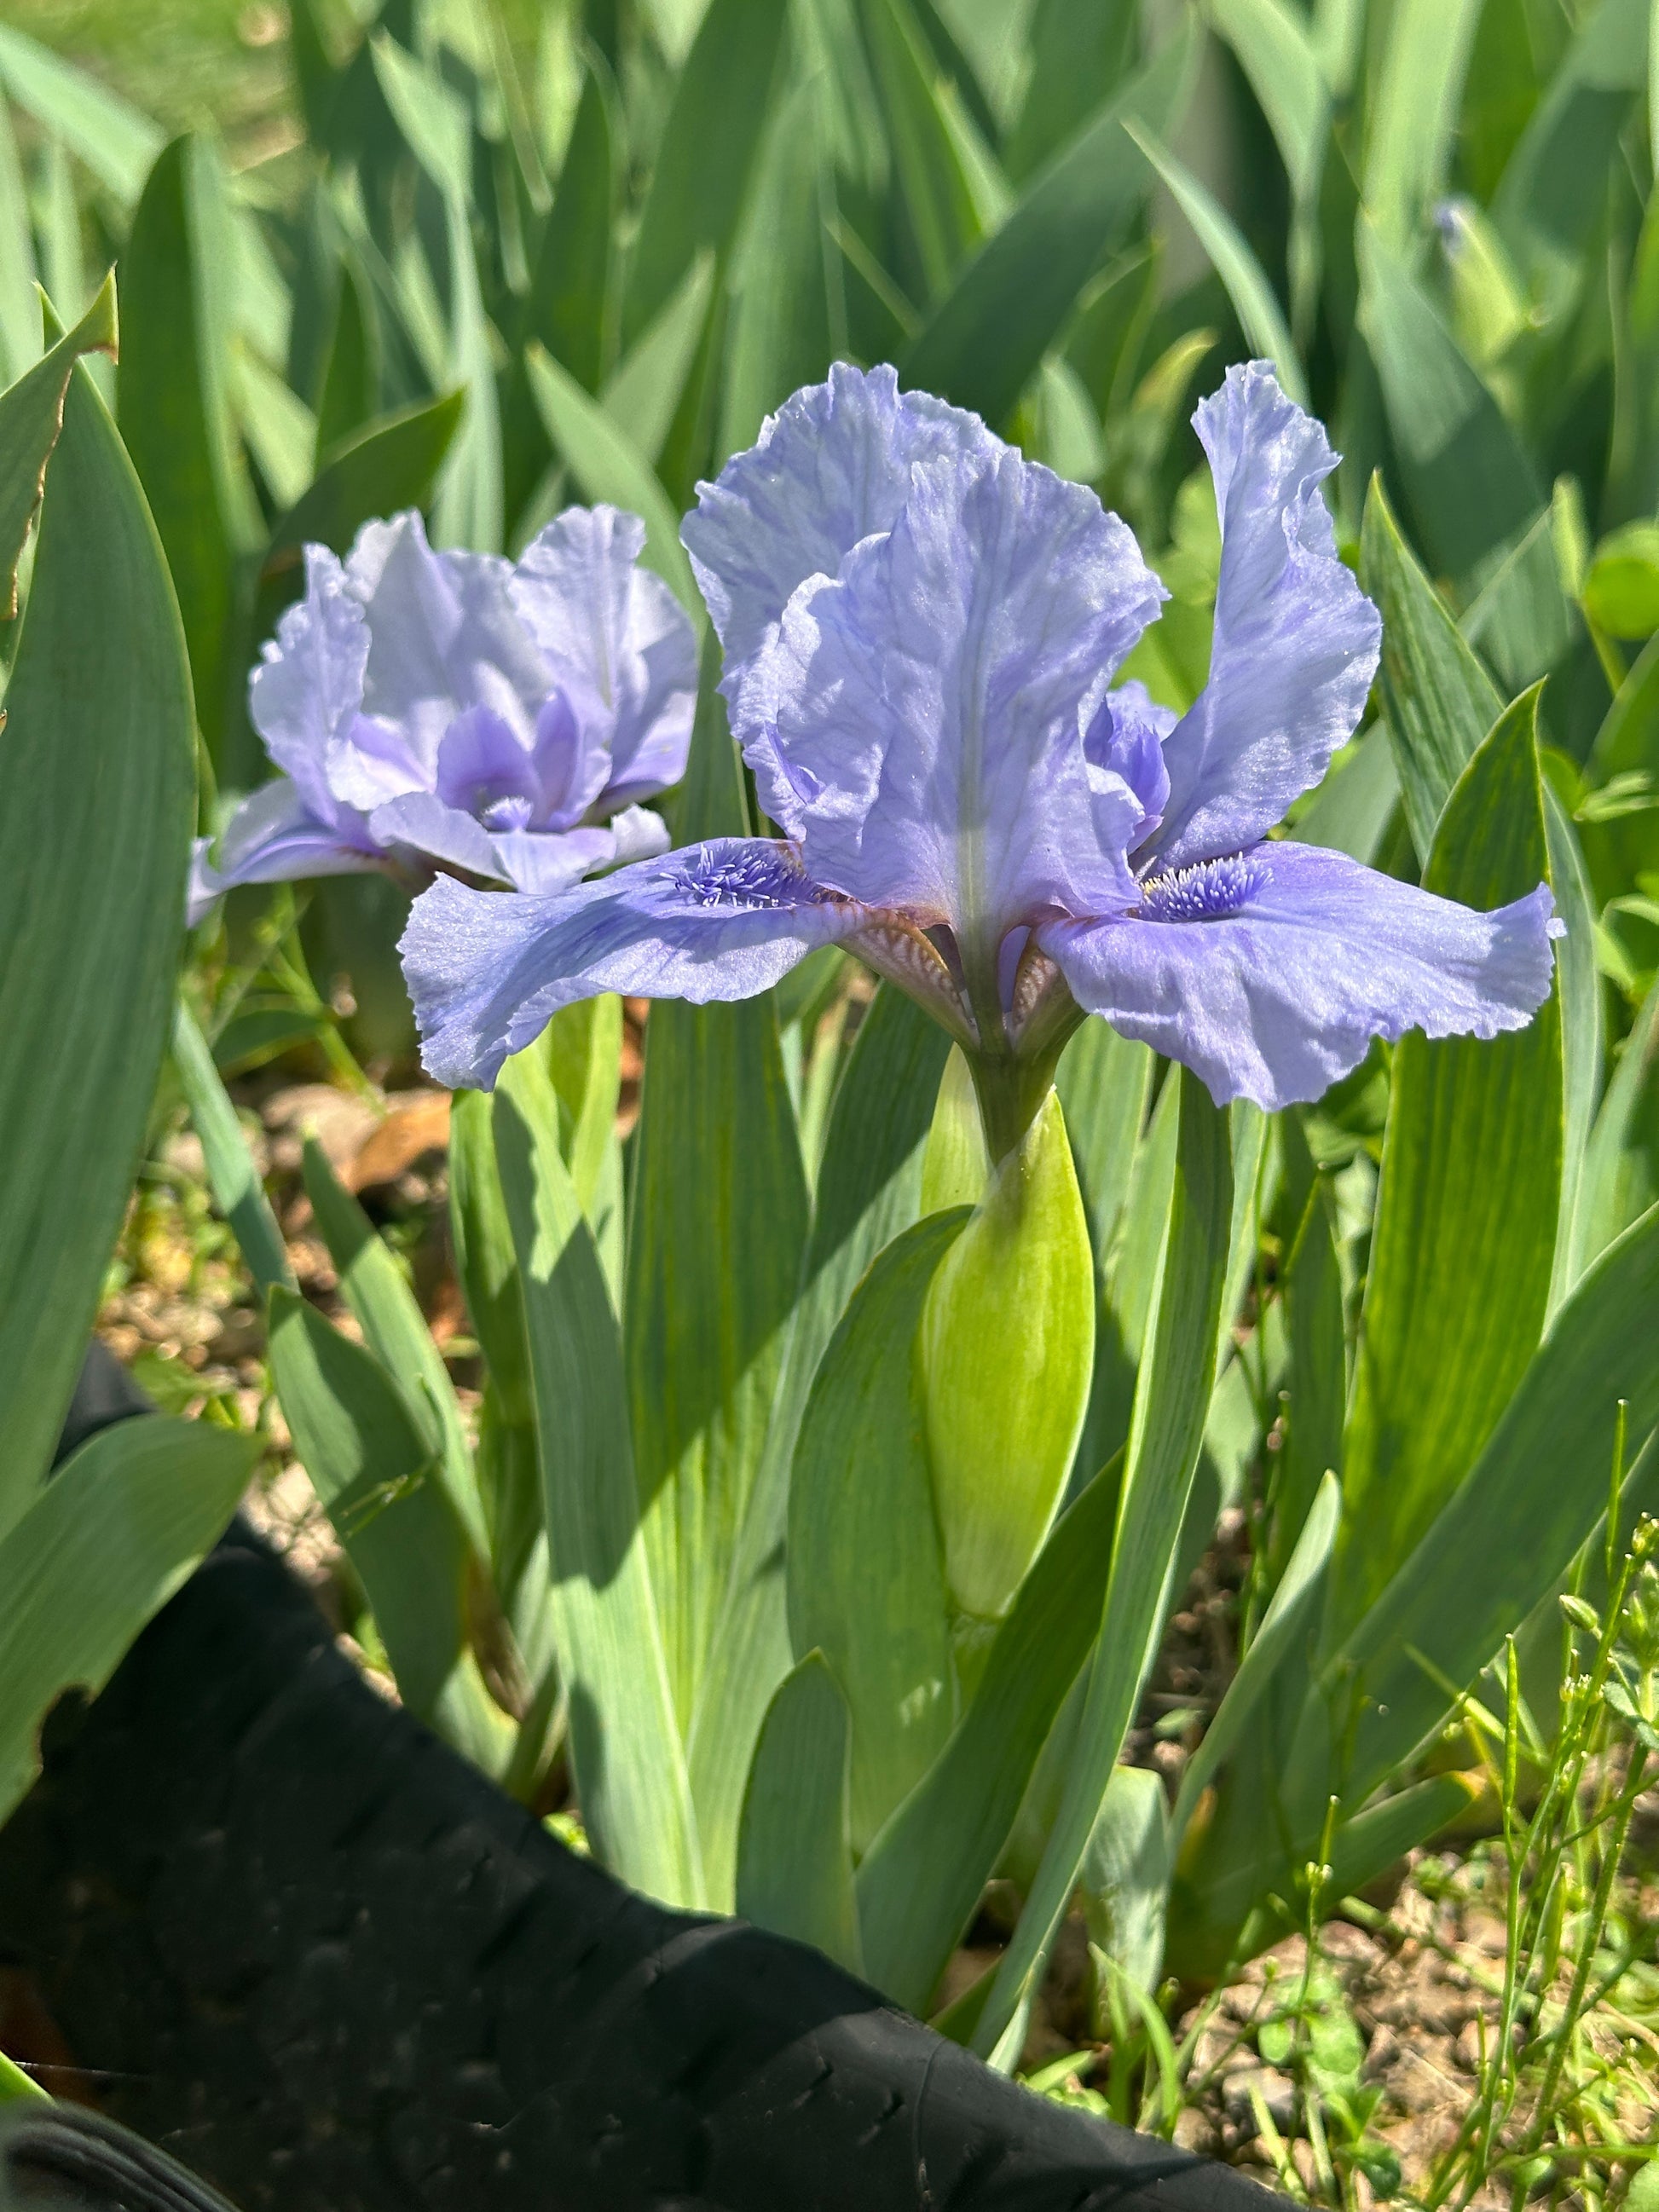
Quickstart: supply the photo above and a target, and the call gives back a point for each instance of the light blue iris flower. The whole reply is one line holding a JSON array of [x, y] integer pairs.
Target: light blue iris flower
[[922, 631], [458, 711]]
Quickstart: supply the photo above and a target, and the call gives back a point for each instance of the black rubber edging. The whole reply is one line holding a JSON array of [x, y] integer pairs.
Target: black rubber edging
[[319, 1959]]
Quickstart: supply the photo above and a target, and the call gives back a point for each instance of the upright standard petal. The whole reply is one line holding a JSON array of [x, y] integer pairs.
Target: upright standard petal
[[306, 691], [931, 704], [618, 645], [487, 970], [830, 467], [444, 635], [482, 764], [1269, 972], [1124, 745], [1296, 641]]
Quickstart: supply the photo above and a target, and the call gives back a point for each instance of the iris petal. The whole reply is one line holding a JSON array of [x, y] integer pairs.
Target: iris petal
[[444, 635], [542, 860], [275, 838], [487, 970], [640, 835], [1123, 746], [616, 643], [1275, 986], [309, 683], [931, 702], [1296, 641], [421, 820], [830, 467], [481, 760]]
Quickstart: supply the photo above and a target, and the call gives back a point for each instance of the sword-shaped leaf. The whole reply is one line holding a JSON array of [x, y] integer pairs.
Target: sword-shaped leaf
[[102, 1548], [377, 1477], [794, 1852], [1463, 1246], [718, 1222], [625, 1741], [97, 799]]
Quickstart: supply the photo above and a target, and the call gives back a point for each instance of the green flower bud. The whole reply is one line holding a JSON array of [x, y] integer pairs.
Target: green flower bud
[[955, 1166], [1006, 1346]]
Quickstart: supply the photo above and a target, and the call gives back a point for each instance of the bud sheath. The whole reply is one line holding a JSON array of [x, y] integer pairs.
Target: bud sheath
[[1006, 1346]]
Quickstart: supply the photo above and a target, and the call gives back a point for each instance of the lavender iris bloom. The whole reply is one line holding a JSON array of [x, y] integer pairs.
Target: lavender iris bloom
[[457, 711], [920, 632]]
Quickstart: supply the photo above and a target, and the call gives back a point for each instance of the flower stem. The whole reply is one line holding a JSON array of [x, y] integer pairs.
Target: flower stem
[[1010, 1091]]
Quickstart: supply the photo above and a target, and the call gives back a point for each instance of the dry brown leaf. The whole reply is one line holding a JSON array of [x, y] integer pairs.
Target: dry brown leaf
[[415, 1124]]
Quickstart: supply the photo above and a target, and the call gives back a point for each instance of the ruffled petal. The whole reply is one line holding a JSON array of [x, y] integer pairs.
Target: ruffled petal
[[545, 861], [413, 617], [569, 772], [481, 760], [487, 970], [1296, 641], [273, 837], [371, 760], [1123, 746], [1273, 970], [420, 820], [931, 702], [443, 636], [831, 467], [616, 642], [493, 661], [308, 685]]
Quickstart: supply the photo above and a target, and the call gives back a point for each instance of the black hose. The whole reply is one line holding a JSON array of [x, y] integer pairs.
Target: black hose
[[298, 1942]]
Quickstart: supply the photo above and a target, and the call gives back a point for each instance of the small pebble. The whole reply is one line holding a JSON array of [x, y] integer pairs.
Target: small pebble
[[1382, 2051], [1194, 2131], [1468, 2046], [1276, 2090]]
